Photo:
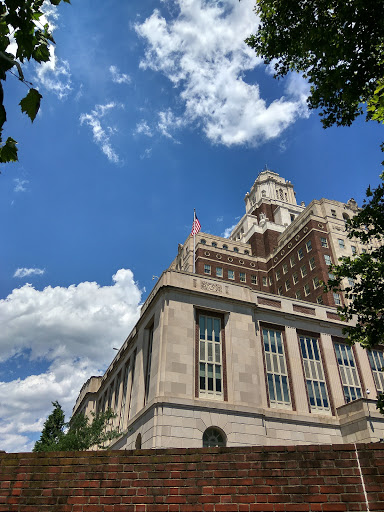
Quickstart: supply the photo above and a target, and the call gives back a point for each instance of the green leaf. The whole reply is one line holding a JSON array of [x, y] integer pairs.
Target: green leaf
[[31, 103], [8, 152]]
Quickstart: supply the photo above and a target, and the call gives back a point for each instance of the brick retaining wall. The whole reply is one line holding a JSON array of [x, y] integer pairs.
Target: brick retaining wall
[[265, 479]]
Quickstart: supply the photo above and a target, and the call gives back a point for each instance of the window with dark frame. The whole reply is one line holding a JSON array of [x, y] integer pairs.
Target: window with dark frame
[[210, 357]]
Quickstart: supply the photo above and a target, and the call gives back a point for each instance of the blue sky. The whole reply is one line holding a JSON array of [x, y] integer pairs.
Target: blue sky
[[149, 109]]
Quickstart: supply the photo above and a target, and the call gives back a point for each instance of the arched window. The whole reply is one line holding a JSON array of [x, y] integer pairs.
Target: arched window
[[213, 437], [263, 193], [202, 241], [345, 216], [225, 246], [138, 442], [281, 194]]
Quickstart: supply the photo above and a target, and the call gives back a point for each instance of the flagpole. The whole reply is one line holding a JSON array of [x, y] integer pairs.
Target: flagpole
[[194, 241]]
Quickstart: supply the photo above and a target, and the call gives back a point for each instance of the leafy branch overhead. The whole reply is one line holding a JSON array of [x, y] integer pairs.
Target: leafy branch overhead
[[338, 45], [20, 24]]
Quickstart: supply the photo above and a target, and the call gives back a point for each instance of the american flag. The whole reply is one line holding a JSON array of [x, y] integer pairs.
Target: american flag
[[195, 226]]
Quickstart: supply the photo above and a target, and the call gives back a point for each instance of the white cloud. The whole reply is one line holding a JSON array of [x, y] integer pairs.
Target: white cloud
[[73, 331], [54, 75], [102, 135], [142, 128], [220, 219], [168, 122], [20, 185], [24, 272], [203, 54], [117, 77], [228, 231], [147, 154]]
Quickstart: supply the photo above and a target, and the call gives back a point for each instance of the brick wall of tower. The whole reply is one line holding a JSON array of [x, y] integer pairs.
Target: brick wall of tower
[[267, 209], [325, 478]]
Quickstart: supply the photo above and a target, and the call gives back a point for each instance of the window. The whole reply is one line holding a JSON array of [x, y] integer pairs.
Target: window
[[253, 279], [246, 251], [336, 298], [327, 259], [316, 282], [333, 213], [324, 242], [330, 275], [312, 263], [376, 360], [351, 282], [285, 268], [207, 269], [219, 272], [278, 275], [270, 281], [364, 251], [319, 299], [303, 271], [292, 260], [202, 241], [231, 274], [235, 249], [307, 289], [298, 295], [242, 277], [308, 246], [295, 278], [300, 254], [210, 362], [214, 244], [314, 374], [287, 285], [120, 426], [353, 248], [213, 437], [341, 243], [280, 290], [277, 374], [265, 282], [348, 372], [225, 246], [292, 217], [148, 365]]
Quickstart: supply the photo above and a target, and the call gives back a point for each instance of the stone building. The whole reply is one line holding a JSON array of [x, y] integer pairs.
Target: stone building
[[248, 350]]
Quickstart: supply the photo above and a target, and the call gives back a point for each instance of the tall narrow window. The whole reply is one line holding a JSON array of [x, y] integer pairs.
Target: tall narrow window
[[314, 374], [132, 382], [348, 372], [123, 397], [148, 365], [376, 359], [210, 357], [277, 374]]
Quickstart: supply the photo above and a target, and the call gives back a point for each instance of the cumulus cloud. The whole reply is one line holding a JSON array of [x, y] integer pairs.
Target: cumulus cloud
[[117, 77], [202, 52], [102, 134], [24, 272], [54, 75], [228, 231], [72, 331]]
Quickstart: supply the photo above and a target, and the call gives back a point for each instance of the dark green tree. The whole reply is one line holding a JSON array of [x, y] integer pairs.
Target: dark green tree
[[19, 23], [53, 430], [338, 46], [78, 434]]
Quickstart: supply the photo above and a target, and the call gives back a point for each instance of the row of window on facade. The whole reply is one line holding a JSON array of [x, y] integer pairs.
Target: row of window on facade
[[224, 246], [277, 373]]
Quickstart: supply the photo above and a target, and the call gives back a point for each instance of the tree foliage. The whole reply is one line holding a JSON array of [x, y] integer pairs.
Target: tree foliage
[[366, 295], [78, 434], [20, 25], [338, 45]]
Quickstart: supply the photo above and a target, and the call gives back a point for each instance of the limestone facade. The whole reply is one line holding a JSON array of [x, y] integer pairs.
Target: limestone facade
[[215, 360]]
